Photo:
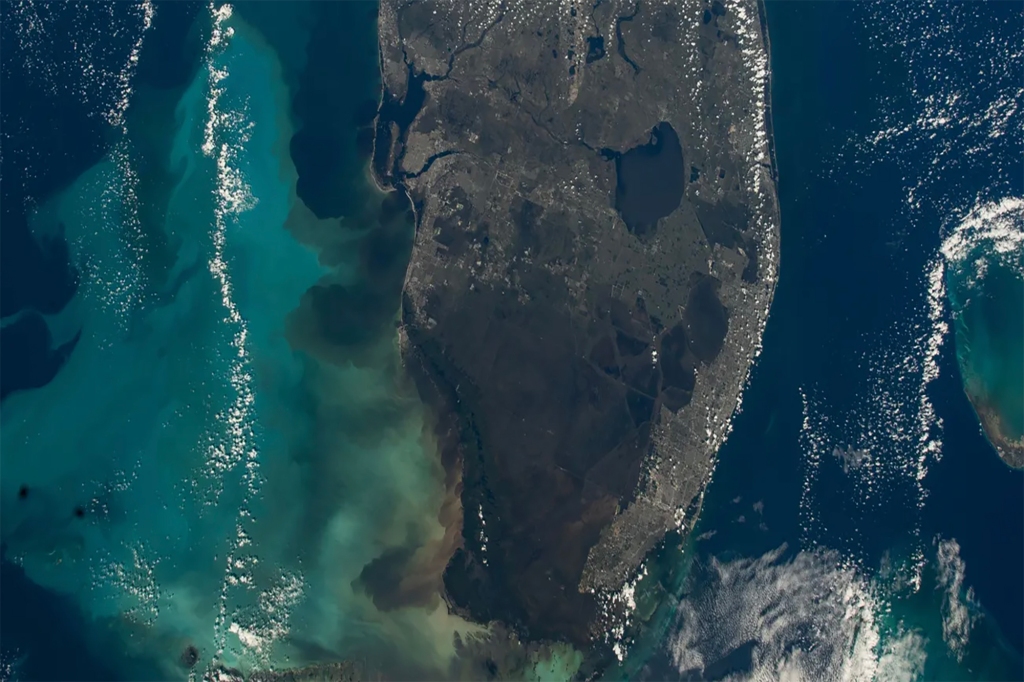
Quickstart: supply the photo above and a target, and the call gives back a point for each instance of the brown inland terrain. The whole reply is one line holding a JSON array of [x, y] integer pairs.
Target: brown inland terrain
[[596, 251]]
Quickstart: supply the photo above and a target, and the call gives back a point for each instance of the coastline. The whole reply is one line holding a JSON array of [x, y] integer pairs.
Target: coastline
[[379, 182], [1010, 451], [762, 15], [672, 580]]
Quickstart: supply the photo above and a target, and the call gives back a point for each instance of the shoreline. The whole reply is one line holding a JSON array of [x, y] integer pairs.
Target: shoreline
[[990, 419], [762, 15], [371, 166]]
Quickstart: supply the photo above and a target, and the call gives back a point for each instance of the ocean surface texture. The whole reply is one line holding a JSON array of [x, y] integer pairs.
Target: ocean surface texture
[[210, 452]]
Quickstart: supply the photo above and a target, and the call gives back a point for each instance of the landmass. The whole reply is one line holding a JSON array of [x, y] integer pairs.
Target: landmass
[[996, 429], [596, 251]]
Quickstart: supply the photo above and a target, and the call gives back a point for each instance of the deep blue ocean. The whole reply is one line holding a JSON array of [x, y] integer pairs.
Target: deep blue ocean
[[187, 217]]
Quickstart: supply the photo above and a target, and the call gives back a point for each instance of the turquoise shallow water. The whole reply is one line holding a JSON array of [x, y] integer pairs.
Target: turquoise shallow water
[[986, 289], [230, 453], [157, 408]]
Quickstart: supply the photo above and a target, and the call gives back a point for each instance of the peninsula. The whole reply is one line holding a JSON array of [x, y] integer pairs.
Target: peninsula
[[596, 251]]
